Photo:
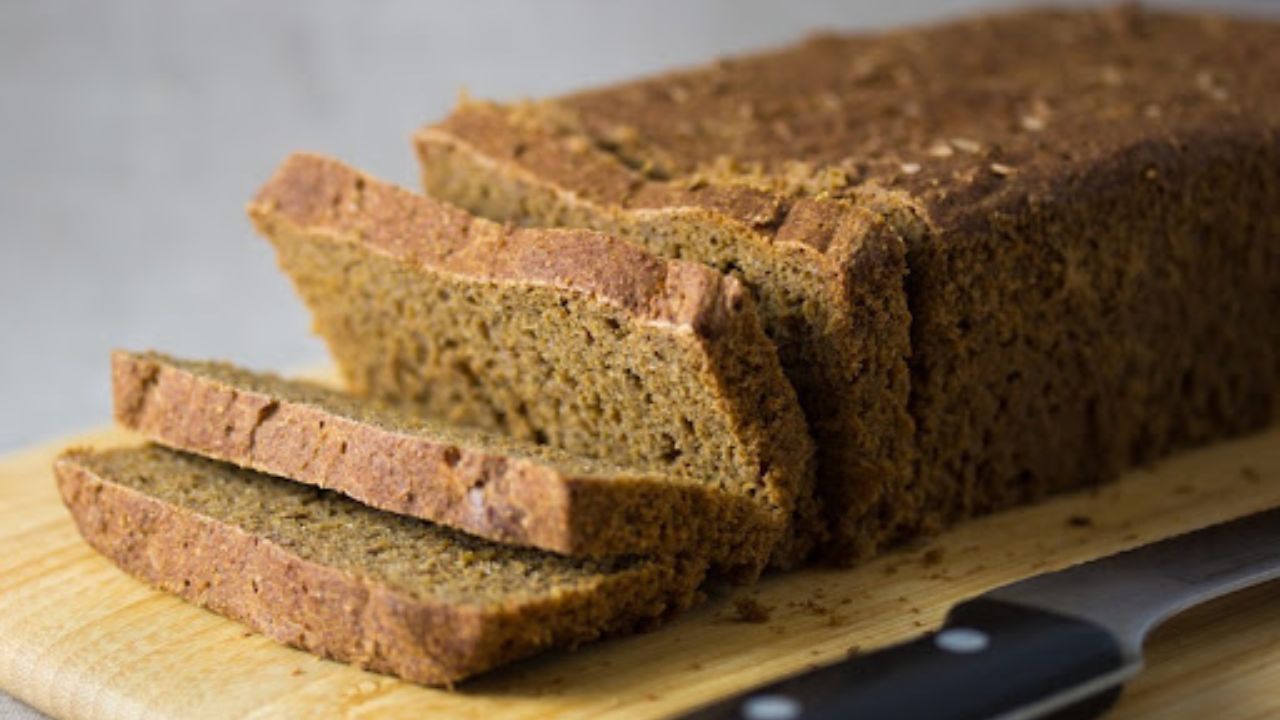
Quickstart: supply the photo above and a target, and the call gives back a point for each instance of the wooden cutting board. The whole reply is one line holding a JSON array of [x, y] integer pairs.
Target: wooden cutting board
[[80, 639]]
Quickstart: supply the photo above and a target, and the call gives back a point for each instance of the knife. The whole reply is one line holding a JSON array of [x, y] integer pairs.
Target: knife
[[1058, 645]]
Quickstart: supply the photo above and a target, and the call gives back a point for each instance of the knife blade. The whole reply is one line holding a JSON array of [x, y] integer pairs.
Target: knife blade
[[1059, 645]]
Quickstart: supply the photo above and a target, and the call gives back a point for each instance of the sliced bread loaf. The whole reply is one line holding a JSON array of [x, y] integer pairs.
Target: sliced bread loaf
[[566, 338], [493, 487], [828, 273], [1088, 198], [312, 569]]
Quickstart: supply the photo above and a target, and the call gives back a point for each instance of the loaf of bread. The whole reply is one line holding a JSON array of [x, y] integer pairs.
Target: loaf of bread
[[312, 569], [1089, 203], [490, 486], [565, 338]]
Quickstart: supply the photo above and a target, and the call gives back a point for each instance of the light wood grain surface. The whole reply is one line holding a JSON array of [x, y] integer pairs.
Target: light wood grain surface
[[80, 639]]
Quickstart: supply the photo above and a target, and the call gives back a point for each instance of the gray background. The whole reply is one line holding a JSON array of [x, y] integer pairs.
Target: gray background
[[132, 133]]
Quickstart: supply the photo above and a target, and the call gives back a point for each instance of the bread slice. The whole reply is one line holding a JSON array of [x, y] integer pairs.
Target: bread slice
[[496, 488], [1089, 205], [570, 339], [309, 568]]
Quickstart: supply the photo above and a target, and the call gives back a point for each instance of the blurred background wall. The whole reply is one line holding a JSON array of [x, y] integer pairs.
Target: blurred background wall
[[132, 133]]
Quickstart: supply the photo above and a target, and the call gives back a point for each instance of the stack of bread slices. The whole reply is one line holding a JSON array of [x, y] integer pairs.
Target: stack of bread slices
[[803, 305]]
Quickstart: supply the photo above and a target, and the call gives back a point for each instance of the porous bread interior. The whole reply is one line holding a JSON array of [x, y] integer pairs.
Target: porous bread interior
[[423, 560], [393, 418], [546, 366]]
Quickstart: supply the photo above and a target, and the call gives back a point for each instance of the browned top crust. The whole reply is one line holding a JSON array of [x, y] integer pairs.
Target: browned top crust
[[322, 194], [948, 117]]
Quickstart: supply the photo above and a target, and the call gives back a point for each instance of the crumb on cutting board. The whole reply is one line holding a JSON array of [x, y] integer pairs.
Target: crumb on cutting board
[[1080, 521], [751, 610]]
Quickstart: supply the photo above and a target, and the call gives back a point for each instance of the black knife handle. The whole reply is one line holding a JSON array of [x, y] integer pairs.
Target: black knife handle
[[989, 658]]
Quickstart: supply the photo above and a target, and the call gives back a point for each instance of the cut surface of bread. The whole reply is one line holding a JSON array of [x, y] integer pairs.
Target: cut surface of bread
[[1088, 201], [494, 487], [312, 569], [566, 338]]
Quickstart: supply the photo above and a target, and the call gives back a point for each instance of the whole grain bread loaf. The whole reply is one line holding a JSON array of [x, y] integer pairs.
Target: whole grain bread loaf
[[312, 569], [490, 486], [1090, 202], [565, 338]]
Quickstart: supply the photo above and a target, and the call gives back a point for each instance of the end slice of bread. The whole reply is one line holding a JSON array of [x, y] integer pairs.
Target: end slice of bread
[[311, 569]]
